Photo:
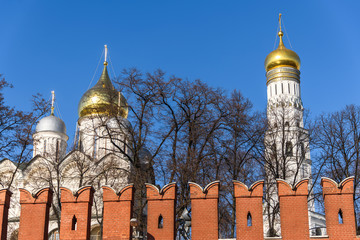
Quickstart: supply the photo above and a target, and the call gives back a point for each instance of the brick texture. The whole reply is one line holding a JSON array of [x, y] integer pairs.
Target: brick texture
[[76, 213], [249, 205], [34, 217], [117, 213], [204, 211], [339, 197], [294, 210], [161, 212], [5, 196]]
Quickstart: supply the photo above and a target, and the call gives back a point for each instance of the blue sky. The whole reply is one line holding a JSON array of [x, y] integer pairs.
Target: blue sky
[[56, 45]]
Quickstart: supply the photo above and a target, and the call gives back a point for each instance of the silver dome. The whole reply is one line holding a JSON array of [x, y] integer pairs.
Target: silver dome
[[51, 124]]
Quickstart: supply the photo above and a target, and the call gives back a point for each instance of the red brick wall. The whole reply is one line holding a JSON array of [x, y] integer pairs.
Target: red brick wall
[[249, 201], [117, 213], [34, 217], [294, 210], [204, 204], [5, 196], [336, 197], [78, 205], [204, 211], [161, 203]]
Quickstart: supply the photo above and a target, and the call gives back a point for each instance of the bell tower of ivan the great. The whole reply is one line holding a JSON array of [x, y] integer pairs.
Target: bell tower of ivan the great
[[287, 149]]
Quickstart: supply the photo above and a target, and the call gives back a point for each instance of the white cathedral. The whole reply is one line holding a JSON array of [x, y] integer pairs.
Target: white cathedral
[[102, 156]]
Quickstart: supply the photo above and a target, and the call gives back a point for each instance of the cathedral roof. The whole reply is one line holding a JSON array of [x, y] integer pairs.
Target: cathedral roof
[[51, 124]]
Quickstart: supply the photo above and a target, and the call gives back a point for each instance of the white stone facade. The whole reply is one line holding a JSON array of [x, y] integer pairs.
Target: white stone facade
[[94, 161], [286, 141]]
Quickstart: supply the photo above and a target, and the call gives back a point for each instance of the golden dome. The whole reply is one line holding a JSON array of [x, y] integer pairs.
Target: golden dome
[[103, 99], [282, 57]]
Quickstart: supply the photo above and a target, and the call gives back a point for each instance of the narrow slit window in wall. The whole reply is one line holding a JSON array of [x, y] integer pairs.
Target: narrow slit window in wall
[[74, 223], [160, 221], [302, 148], [289, 149], [249, 219], [95, 147], [282, 88], [340, 214], [57, 150]]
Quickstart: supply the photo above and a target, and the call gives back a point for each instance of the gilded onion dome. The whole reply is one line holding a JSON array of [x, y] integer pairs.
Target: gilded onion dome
[[282, 57], [103, 99]]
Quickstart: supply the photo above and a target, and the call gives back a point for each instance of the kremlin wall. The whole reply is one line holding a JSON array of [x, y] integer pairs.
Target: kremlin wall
[[76, 211]]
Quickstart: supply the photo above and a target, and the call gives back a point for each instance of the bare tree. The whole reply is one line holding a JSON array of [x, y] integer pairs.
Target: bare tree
[[337, 142], [238, 141]]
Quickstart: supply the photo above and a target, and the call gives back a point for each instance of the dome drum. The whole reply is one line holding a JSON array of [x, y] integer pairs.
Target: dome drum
[[283, 73]]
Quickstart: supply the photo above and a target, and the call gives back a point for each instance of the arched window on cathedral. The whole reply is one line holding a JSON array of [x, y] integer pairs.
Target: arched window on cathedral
[[44, 146], [249, 219], [289, 149], [80, 143], [340, 215], [57, 150], [125, 143], [274, 151], [287, 124], [95, 233], [160, 221], [302, 149], [54, 235]]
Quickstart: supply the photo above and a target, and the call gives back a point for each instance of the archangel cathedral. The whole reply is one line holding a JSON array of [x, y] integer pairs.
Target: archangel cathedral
[[101, 154]]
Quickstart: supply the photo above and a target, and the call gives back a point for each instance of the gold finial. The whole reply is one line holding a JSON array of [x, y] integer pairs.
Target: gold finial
[[106, 53], [282, 56], [280, 21], [280, 33], [52, 102]]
